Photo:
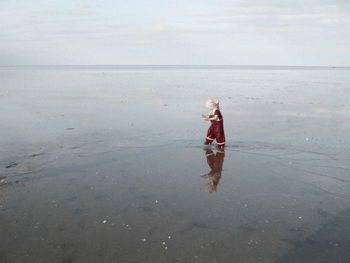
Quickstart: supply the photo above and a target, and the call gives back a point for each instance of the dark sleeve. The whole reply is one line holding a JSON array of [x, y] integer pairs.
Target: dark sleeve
[[217, 112]]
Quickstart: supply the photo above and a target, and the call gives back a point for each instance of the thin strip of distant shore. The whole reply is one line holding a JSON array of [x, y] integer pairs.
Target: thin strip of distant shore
[[169, 67]]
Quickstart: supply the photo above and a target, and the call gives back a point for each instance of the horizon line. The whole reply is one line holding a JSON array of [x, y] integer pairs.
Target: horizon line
[[172, 65]]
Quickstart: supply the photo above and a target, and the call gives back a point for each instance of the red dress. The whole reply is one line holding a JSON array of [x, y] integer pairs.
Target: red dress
[[216, 129]]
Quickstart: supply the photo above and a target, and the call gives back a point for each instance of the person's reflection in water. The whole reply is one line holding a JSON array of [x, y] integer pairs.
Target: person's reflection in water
[[215, 162]]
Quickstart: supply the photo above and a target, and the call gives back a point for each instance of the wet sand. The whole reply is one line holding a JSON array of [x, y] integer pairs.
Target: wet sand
[[105, 166]]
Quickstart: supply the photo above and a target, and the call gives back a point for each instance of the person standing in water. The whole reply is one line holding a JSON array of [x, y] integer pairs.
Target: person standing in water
[[216, 129]]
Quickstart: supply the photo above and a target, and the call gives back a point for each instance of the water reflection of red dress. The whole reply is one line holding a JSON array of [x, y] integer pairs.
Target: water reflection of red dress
[[215, 162]]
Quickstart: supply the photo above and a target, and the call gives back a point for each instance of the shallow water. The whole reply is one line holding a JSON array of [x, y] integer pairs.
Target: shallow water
[[105, 165]]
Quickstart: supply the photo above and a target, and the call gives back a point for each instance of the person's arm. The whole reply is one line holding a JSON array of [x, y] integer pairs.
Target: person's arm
[[205, 117], [210, 117], [213, 118]]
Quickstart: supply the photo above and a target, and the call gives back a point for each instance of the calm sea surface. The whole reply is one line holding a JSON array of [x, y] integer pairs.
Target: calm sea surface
[[106, 164]]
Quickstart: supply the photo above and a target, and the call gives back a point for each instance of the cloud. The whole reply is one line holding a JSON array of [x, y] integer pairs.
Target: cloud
[[185, 32], [279, 13], [293, 21]]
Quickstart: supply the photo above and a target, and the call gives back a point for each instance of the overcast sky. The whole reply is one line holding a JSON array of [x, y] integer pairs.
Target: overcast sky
[[238, 32]]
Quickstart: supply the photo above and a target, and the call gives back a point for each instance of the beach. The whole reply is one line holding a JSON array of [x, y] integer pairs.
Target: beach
[[104, 164]]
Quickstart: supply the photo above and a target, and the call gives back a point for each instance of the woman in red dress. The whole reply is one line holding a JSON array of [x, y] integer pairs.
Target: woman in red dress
[[216, 129]]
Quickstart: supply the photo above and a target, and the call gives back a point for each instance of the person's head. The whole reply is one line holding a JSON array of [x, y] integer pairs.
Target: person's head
[[212, 104]]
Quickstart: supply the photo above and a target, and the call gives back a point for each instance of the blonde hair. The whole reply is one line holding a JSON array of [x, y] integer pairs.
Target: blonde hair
[[212, 102]]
